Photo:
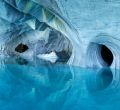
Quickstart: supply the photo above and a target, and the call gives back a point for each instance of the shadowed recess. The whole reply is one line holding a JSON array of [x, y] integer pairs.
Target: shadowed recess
[[21, 48], [107, 55]]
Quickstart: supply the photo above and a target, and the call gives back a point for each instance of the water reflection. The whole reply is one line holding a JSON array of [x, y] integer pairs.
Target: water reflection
[[100, 80], [39, 85], [36, 87]]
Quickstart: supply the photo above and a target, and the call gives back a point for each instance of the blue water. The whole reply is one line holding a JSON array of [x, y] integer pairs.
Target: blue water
[[40, 85]]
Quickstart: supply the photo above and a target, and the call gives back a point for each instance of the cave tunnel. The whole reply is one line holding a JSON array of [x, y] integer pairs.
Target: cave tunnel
[[21, 48], [106, 55]]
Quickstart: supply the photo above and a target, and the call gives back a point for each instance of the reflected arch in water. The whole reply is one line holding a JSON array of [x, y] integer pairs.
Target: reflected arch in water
[[47, 85], [100, 80], [104, 87]]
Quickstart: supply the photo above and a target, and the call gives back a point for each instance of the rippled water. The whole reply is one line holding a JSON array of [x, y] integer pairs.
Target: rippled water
[[39, 85]]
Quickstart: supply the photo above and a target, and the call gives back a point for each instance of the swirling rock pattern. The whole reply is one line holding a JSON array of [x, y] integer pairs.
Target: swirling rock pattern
[[80, 28], [33, 23], [97, 23]]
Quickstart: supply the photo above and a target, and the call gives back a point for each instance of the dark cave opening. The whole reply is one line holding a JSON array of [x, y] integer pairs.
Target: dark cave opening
[[106, 55], [63, 56], [21, 48]]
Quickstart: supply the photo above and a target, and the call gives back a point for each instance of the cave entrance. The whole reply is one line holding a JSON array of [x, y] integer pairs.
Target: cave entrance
[[57, 43], [21, 48], [106, 55], [53, 46]]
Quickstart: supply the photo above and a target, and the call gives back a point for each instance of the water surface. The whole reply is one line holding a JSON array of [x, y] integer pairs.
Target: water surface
[[40, 85]]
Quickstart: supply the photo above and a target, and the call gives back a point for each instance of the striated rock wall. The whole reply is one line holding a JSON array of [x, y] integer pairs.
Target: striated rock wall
[[85, 26]]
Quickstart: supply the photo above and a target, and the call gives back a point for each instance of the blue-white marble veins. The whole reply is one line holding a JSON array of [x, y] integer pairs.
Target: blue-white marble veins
[[81, 26]]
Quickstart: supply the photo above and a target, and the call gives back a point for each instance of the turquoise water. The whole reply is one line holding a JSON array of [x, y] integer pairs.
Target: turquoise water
[[39, 85]]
